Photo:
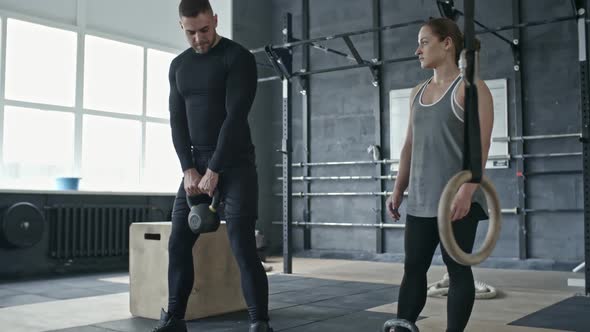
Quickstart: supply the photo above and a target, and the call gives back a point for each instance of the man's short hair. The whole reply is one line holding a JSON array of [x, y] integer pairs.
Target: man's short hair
[[192, 8]]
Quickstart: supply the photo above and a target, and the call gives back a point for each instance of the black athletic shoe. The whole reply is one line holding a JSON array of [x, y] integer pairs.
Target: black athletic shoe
[[169, 323], [260, 327]]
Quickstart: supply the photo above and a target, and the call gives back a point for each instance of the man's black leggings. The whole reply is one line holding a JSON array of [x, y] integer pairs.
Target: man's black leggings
[[421, 240], [239, 190]]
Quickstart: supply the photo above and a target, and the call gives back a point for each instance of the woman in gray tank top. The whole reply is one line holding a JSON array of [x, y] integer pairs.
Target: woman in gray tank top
[[431, 155]]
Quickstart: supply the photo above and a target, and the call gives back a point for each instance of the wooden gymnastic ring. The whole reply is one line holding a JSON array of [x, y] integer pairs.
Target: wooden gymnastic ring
[[445, 229]]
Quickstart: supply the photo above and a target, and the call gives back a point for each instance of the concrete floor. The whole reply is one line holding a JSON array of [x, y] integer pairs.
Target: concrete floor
[[101, 302]]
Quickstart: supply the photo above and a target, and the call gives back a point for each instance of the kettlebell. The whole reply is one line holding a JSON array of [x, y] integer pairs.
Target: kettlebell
[[203, 218]]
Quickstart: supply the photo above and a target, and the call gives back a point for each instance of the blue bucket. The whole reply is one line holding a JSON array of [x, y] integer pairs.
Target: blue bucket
[[67, 183]]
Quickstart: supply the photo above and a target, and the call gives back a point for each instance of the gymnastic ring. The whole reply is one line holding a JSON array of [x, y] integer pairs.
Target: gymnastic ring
[[445, 229], [401, 323]]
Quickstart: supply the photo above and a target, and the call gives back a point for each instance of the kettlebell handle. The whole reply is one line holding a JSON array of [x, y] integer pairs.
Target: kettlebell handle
[[214, 203]]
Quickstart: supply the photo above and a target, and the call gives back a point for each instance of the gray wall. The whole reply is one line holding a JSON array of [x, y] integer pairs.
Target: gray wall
[[252, 28], [342, 125]]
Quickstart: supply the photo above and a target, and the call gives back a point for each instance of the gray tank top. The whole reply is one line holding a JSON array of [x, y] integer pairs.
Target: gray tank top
[[437, 151]]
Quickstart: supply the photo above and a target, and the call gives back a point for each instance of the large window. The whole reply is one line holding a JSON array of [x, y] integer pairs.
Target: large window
[[107, 124], [158, 64], [40, 64], [113, 76], [111, 153], [162, 169], [38, 145]]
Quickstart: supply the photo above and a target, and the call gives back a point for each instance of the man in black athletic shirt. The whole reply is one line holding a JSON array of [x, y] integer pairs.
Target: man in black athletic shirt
[[212, 87]]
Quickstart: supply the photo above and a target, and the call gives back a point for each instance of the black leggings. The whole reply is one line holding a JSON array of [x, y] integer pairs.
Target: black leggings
[[421, 240], [240, 231]]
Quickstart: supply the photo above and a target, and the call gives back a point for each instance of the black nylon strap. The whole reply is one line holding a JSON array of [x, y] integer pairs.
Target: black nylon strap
[[472, 148]]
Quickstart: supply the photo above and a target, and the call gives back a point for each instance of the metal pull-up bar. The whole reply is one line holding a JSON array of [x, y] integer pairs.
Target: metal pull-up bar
[[446, 9]]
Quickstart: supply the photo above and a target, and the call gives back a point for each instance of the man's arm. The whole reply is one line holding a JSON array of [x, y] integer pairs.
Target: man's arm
[[179, 123], [242, 81]]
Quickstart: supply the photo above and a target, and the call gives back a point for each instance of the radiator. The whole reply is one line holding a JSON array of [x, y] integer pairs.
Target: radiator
[[92, 230]]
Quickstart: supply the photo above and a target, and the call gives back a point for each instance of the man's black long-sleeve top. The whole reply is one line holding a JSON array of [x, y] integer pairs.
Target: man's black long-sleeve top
[[210, 97]]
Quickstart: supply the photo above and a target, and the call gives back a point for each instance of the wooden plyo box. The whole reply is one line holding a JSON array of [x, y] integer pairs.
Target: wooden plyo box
[[216, 288]]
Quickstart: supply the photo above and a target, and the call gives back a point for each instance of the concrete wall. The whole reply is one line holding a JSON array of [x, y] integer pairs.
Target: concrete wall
[[252, 28], [342, 125]]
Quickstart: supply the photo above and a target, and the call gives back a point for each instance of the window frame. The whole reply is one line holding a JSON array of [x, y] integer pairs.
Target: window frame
[[78, 109]]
